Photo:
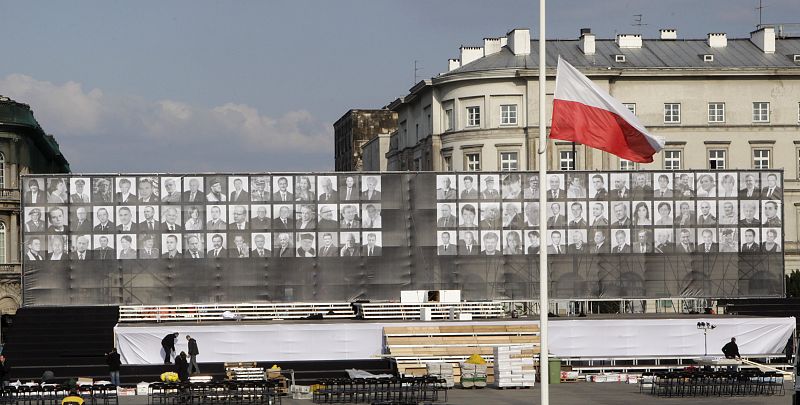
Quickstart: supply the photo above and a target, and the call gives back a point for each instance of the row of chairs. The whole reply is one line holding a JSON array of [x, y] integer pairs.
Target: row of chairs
[[406, 390], [702, 383], [53, 394], [213, 393]]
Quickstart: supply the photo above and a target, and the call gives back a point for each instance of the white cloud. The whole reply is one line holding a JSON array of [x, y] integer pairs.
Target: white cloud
[[124, 126]]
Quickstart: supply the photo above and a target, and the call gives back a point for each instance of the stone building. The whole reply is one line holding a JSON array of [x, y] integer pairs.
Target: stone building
[[720, 102], [354, 129], [24, 148]]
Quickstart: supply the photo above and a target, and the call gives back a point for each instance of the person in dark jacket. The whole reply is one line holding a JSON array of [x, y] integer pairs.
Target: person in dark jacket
[[182, 367], [168, 344], [113, 361], [193, 352], [4, 369], [731, 350]]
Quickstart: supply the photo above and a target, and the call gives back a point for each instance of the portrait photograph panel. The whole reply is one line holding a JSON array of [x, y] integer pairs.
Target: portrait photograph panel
[[171, 218], [349, 216], [216, 189], [490, 187], [328, 218], [771, 186], [372, 243], [349, 188], [80, 218], [620, 186], [576, 241], [642, 213], [577, 214], [80, 190], [80, 247], [349, 244], [664, 213], [728, 187], [621, 240], [103, 247], [620, 213], [469, 242], [728, 212], [238, 189], [239, 217], [685, 240], [149, 246], [533, 241], [468, 215], [728, 240], [598, 188], [750, 240], [148, 189], [149, 218], [57, 219], [749, 213], [555, 187], [304, 189], [260, 217], [530, 183], [641, 186], [771, 210], [685, 213], [34, 191], [126, 219], [446, 243], [371, 217], [642, 241], [684, 185], [328, 244], [261, 244], [511, 186], [193, 190], [216, 217], [34, 220], [706, 213], [490, 216], [446, 188], [512, 215], [531, 214], [305, 217], [238, 245], [327, 189], [771, 240], [57, 191], [707, 240], [576, 188], [598, 213], [512, 242], [664, 240], [173, 246], [194, 217], [57, 247], [282, 188], [749, 185], [556, 242], [216, 243], [126, 246], [706, 185], [260, 188], [491, 243], [35, 247], [371, 187], [194, 246], [283, 244], [663, 186], [171, 189], [468, 186], [103, 216], [447, 216]]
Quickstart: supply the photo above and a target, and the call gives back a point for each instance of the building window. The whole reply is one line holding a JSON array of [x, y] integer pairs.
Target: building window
[[760, 111], [716, 159], [566, 160], [472, 162], [447, 163], [448, 119], [631, 107], [625, 164], [672, 113], [761, 159], [2, 171], [672, 159], [473, 116], [509, 161], [716, 112], [508, 114], [3, 243]]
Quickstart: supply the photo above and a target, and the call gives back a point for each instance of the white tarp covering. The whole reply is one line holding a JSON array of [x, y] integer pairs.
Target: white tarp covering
[[356, 340]]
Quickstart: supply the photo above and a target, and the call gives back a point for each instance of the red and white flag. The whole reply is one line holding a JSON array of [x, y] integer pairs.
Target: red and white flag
[[584, 113]]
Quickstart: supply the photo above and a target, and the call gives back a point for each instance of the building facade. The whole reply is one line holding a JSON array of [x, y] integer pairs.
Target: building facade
[[24, 148], [354, 129], [721, 103]]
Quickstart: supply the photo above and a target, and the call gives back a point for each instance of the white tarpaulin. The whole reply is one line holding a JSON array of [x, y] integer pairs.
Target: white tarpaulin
[[355, 340], [667, 337]]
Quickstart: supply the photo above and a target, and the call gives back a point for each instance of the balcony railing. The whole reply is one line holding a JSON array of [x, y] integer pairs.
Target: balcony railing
[[9, 194], [6, 268]]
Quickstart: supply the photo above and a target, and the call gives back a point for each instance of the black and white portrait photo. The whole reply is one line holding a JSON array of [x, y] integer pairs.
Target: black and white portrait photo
[[193, 190], [349, 188], [446, 187], [34, 220], [261, 244], [371, 187], [171, 189], [34, 191], [371, 243], [238, 189], [282, 189], [328, 244], [490, 187], [304, 189], [126, 190], [80, 190], [149, 218], [260, 189], [103, 247], [148, 190], [216, 217], [126, 219], [216, 189], [620, 186], [102, 190], [663, 187], [327, 190]]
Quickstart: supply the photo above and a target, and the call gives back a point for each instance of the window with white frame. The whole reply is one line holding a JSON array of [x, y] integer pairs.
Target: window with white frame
[[760, 111], [448, 119], [473, 116], [716, 112], [672, 113], [625, 164], [447, 163], [472, 162], [566, 160], [508, 114], [672, 159], [716, 159], [509, 161], [631, 107], [761, 158]]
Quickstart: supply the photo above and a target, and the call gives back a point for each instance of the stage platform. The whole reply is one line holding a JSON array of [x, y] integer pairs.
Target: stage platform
[[607, 337]]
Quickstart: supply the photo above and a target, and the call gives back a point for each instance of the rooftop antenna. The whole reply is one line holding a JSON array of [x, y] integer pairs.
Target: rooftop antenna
[[760, 10], [637, 22], [417, 69]]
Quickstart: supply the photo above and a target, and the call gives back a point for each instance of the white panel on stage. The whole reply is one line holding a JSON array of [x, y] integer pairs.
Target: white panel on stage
[[676, 337]]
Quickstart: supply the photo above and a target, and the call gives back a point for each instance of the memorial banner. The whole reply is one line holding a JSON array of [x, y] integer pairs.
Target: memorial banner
[[231, 238]]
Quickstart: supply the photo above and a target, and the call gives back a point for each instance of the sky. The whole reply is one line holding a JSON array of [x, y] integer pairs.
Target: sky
[[252, 85]]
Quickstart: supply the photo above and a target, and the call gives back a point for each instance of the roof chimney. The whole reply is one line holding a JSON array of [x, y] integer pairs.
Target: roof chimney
[[717, 40], [491, 45], [587, 41], [764, 38], [668, 33], [470, 54], [629, 40], [453, 64], [519, 41]]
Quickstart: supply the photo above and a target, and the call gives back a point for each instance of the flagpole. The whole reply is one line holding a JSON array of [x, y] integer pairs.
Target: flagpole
[[543, 284]]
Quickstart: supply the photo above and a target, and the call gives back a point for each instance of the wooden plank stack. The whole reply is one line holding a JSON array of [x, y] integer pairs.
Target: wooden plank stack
[[513, 366]]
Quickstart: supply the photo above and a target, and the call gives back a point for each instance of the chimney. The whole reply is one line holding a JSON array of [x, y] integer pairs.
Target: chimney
[[764, 38], [519, 41], [668, 33], [453, 64], [491, 45], [717, 40], [587, 41], [470, 54], [629, 40]]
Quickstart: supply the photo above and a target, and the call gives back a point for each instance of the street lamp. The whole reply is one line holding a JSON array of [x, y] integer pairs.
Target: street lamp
[[705, 327]]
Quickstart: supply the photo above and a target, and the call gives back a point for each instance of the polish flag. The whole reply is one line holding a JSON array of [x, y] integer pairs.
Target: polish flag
[[584, 113]]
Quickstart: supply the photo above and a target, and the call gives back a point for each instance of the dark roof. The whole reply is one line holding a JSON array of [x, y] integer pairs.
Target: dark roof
[[654, 53]]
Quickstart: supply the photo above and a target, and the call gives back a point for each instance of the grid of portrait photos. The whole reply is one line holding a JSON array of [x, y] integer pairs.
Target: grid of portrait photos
[[670, 212], [193, 217]]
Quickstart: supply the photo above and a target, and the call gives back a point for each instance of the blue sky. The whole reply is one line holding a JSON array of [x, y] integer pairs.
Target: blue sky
[[256, 85]]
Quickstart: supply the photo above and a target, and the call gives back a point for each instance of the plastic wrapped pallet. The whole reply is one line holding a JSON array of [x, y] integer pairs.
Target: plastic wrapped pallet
[[513, 366], [473, 375], [443, 371]]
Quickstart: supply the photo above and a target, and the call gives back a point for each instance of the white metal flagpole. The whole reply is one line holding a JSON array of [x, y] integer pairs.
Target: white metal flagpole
[[543, 283]]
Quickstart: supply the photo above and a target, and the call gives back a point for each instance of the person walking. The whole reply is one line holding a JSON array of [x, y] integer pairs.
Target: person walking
[[193, 352], [113, 361], [168, 344], [182, 367]]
